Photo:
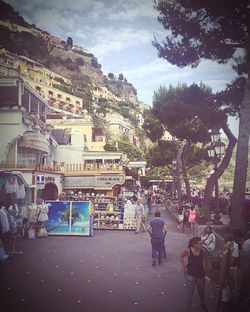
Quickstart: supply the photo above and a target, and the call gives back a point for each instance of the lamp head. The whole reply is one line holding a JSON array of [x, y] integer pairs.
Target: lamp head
[[214, 135]]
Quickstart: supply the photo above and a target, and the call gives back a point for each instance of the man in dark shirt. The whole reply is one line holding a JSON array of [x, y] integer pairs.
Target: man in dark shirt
[[157, 230]]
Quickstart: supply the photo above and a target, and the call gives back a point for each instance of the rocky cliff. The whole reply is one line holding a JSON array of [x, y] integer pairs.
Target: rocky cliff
[[72, 62]]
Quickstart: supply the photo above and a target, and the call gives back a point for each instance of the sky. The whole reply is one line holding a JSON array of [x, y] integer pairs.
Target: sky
[[120, 34]]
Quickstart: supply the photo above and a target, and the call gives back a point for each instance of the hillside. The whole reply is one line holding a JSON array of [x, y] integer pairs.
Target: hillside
[[110, 93]]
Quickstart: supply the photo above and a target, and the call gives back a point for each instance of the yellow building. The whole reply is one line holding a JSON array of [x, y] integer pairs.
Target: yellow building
[[40, 79], [119, 126], [104, 93], [93, 138], [38, 72], [57, 98]]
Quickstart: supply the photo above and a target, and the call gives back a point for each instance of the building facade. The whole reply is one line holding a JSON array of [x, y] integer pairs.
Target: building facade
[[35, 164]]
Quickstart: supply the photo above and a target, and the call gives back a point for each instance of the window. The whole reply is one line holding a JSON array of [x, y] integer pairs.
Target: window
[[50, 92], [59, 96], [67, 99], [27, 156], [77, 103], [38, 88]]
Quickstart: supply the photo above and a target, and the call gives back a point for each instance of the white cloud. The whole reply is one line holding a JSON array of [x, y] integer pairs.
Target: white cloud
[[98, 26], [52, 21], [97, 10], [59, 5], [130, 10], [158, 69], [162, 70], [109, 40], [148, 77]]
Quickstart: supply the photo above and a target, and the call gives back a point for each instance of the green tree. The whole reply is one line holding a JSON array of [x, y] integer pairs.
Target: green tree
[[70, 42], [111, 75], [188, 113], [133, 152], [212, 30], [152, 126], [161, 154], [121, 77], [80, 82]]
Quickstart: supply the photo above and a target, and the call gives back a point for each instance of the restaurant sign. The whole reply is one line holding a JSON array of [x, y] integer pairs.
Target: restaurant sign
[[94, 181], [8, 82]]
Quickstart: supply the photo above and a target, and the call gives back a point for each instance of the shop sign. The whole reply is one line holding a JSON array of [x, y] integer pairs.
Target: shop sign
[[40, 179], [94, 181], [7, 83], [49, 179]]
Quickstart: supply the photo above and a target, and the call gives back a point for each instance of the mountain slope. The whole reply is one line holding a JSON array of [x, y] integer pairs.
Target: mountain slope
[[101, 94]]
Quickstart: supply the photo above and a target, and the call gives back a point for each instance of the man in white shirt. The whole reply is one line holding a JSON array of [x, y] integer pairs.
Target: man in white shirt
[[209, 239]]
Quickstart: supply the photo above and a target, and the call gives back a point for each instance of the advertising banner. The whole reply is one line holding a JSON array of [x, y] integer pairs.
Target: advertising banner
[[68, 218]]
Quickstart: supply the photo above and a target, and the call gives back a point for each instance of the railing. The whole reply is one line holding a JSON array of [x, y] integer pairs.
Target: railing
[[65, 168]]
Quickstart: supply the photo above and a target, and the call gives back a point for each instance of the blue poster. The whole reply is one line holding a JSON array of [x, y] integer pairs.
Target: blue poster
[[68, 218]]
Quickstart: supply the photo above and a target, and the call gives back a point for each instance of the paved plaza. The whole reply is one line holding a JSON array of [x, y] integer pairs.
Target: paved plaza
[[111, 271]]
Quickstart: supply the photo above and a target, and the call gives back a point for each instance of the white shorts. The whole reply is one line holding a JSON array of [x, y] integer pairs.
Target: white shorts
[[180, 218]]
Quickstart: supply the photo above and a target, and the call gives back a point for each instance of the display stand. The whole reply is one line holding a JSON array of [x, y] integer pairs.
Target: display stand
[[14, 252], [106, 220]]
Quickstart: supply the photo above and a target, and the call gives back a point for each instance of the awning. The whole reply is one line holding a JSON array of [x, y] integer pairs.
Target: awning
[[17, 174], [34, 140]]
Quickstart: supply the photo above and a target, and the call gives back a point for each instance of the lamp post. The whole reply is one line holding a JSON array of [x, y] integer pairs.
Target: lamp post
[[174, 167], [215, 151]]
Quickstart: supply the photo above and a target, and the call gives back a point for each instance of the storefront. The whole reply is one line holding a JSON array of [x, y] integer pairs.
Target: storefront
[[48, 185], [107, 184], [14, 189]]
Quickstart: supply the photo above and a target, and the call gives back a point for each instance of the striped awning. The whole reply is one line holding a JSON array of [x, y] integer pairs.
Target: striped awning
[[35, 141]]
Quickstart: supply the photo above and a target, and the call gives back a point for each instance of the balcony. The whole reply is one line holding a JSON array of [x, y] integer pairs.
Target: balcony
[[34, 122], [68, 168]]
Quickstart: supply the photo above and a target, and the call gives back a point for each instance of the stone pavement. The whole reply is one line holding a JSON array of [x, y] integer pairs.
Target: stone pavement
[[111, 271]]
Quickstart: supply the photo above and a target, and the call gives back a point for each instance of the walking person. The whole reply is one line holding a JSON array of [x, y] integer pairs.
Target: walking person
[[157, 230], [181, 212], [197, 266], [140, 216], [191, 218]]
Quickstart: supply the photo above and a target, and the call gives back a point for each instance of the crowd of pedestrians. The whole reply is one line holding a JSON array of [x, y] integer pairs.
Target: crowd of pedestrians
[[196, 258]]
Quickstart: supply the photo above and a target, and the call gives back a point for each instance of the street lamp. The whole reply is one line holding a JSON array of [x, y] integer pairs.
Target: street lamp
[[174, 167], [215, 151]]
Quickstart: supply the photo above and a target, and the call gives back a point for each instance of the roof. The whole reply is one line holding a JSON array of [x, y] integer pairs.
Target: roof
[[61, 136]]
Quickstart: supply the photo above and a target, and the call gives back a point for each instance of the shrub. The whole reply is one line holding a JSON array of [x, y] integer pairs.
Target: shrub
[[223, 204], [202, 214], [72, 66], [79, 61], [94, 63]]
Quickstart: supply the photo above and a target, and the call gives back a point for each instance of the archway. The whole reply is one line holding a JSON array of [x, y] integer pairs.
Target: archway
[[50, 192]]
